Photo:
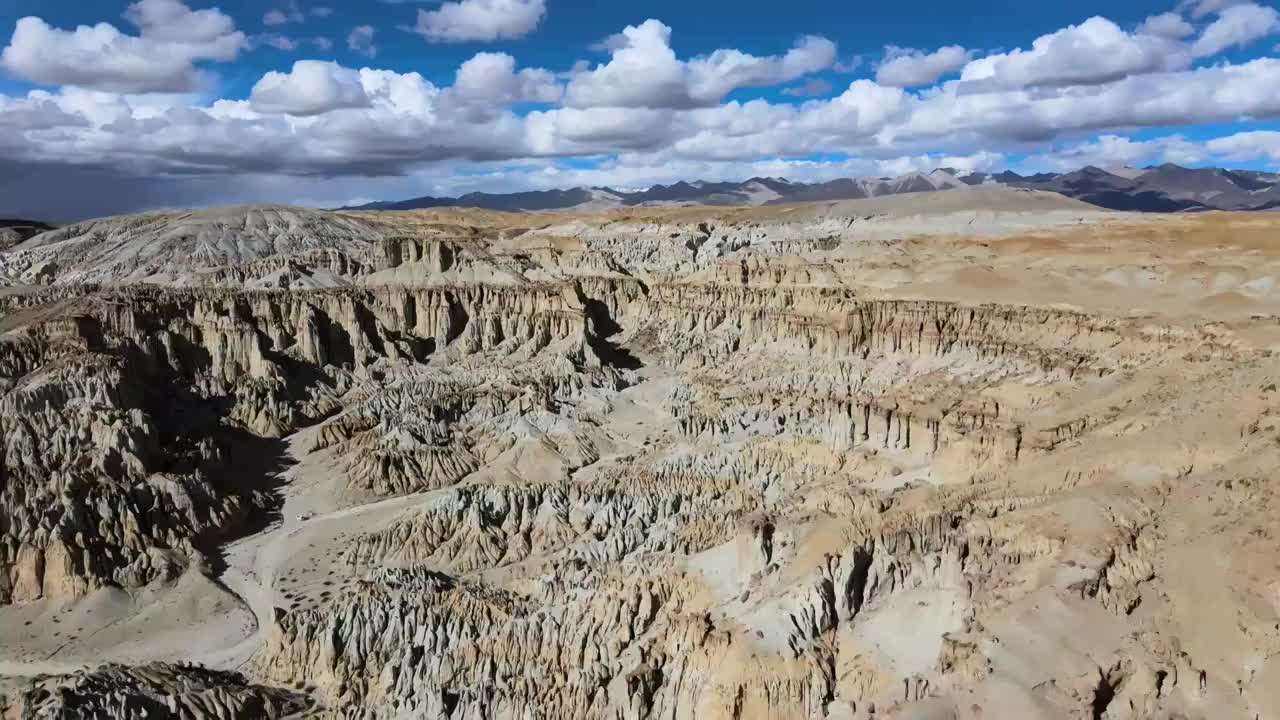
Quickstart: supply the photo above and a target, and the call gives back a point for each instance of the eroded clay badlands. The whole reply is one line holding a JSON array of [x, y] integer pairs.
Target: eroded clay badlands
[[977, 454]]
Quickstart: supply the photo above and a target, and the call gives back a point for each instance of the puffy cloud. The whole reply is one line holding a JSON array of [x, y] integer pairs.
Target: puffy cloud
[[161, 58], [492, 78], [571, 131], [361, 40], [643, 71], [34, 114], [1247, 146], [856, 115], [1214, 94], [373, 122], [311, 88], [321, 117], [367, 123], [322, 43], [480, 20], [645, 115], [1237, 26], [726, 70], [738, 131], [171, 21], [1094, 52], [906, 67], [1167, 25]]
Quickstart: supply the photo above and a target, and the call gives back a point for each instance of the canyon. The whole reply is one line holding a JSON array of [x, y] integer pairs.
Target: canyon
[[983, 453]]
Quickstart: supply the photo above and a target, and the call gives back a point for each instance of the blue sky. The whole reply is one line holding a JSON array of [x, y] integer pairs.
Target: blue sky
[[199, 102], [860, 28]]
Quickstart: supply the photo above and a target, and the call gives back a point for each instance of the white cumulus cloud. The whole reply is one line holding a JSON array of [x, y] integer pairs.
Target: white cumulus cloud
[[1095, 51], [480, 20], [1247, 146], [312, 87], [643, 71], [907, 67], [492, 78], [1237, 26], [161, 58], [126, 110]]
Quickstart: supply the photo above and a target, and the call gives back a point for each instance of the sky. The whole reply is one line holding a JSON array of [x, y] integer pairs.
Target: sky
[[112, 106]]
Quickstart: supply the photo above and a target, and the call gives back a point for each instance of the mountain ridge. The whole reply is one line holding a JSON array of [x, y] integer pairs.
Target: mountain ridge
[[1162, 188]]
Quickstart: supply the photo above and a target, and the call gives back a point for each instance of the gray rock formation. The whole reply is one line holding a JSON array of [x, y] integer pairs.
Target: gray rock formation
[[880, 459], [14, 231], [154, 691]]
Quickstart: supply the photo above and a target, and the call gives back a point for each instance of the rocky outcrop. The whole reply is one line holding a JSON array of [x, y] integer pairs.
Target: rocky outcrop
[[637, 467], [13, 231], [153, 691], [157, 409]]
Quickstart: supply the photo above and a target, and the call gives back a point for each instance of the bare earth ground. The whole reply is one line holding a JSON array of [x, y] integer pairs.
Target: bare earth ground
[[975, 454]]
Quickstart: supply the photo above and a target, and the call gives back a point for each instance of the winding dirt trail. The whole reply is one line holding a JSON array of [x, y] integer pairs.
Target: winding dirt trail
[[222, 622]]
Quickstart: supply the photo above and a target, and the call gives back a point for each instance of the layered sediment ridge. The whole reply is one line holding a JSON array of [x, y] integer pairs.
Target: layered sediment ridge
[[550, 468]]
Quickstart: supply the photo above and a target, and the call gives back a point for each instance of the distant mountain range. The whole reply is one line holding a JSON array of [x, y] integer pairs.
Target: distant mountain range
[[1165, 188]]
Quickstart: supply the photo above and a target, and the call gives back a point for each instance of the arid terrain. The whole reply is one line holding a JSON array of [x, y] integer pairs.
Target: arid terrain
[[987, 453]]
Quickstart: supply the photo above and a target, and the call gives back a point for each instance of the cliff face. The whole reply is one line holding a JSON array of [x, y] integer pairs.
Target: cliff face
[[669, 469], [131, 417]]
